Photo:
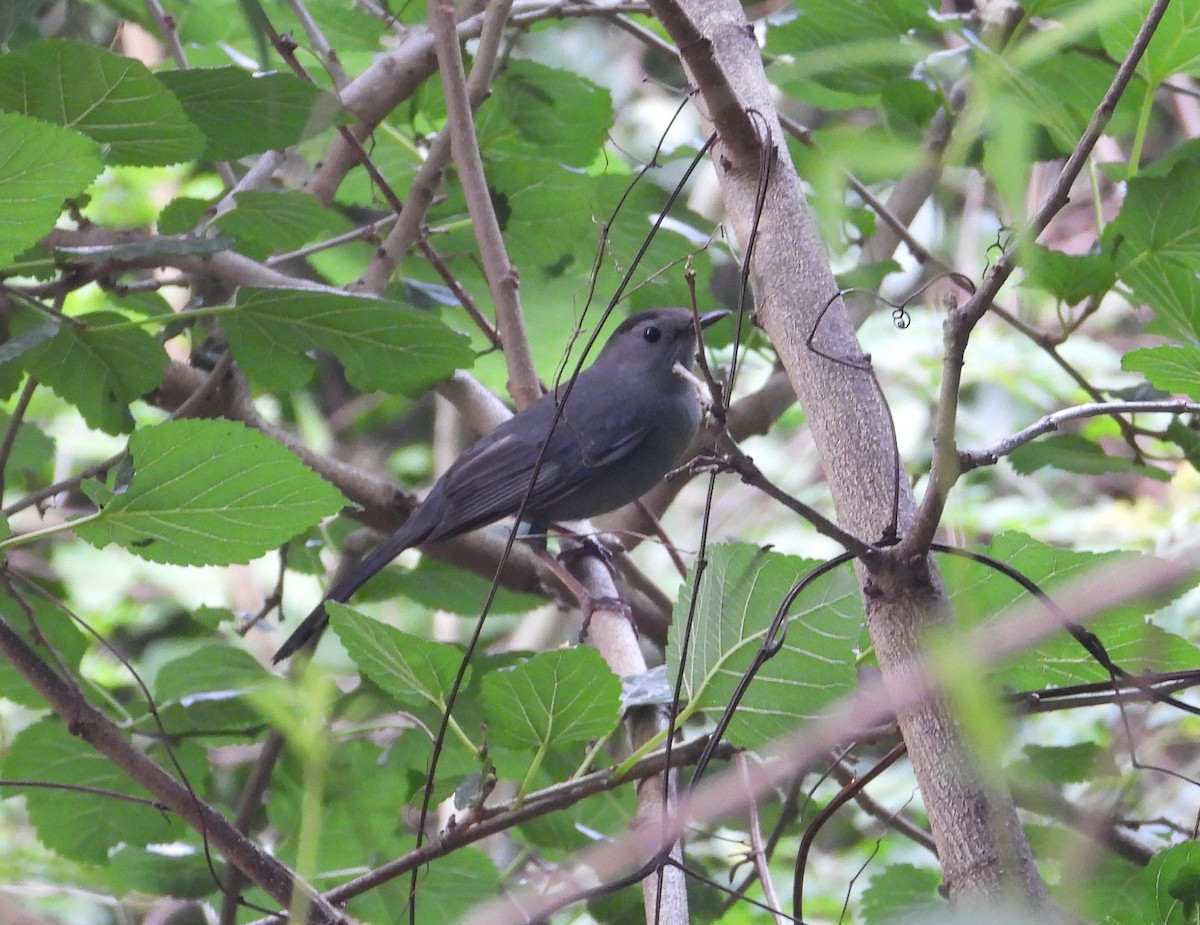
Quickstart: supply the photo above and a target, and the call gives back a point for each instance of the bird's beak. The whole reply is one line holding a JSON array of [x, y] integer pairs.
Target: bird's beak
[[712, 317]]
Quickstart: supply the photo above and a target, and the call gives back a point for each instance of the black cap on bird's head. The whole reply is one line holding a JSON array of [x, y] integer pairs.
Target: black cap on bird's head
[[659, 337]]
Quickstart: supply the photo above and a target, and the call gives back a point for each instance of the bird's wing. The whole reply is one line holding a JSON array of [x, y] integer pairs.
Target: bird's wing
[[492, 478]]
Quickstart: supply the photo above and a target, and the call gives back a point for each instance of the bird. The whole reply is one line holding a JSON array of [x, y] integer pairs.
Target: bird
[[624, 422]]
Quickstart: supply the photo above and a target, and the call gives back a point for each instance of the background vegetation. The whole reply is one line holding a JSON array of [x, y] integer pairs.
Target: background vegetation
[[236, 266]]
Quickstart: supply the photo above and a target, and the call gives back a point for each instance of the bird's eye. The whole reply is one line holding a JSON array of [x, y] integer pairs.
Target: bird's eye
[[652, 334]]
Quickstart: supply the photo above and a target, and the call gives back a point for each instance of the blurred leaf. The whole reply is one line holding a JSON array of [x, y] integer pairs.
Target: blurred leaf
[[450, 886], [1069, 278], [1079, 763], [383, 345], [981, 594], [1175, 47], [850, 46], [32, 451], [240, 113], [54, 631], [901, 893], [110, 98], [210, 493], [40, 166], [1186, 439], [740, 591], [1173, 880], [1073, 453], [553, 698]]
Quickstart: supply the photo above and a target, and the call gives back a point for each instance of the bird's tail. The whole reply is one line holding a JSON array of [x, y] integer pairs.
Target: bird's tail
[[410, 534]]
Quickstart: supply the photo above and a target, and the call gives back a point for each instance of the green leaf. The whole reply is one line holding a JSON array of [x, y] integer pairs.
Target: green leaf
[[408, 667], [210, 493], [1186, 439], [242, 114], [1175, 47], [1073, 453], [740, 591], [82, 826], [1080, 763], [33, 450], [1172, 369], [1070, 278], [981, 594], [55, 631], [1168, 287], [553, 698], [40, 166], [99, 363], [901, 893], [439, 586], [112, 99], [552, 113], [266, 223], [383, 345], [850, 47], [1173, 880], [450, 886], [1159, 218]]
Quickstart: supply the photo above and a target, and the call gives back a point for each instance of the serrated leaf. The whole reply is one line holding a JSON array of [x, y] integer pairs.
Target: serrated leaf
[[406, 666], [1070, 278], [1170, 288], [112, 99], [383, 345], [553, 698], [981, 594], [558, 114], [99, 363], [1073, 453], [40, 166], [741, 589], [1172, 369], [55, 631], [1174, 48], [1160, 218], [82, 826], [210, 493], [240, 113], [264, 223]]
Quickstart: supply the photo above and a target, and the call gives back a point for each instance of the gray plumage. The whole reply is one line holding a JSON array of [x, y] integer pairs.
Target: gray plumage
[[624, 424]]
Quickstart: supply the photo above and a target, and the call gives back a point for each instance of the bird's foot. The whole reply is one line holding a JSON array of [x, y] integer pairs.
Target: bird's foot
[[589, 545], [610, 604]]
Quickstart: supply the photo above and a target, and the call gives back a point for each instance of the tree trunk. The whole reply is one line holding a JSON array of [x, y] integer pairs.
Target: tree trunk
[[983, 851]]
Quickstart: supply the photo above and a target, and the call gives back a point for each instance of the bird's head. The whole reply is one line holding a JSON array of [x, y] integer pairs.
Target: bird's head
[[656, 339]]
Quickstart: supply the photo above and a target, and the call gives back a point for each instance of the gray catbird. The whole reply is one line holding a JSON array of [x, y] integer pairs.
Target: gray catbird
[[625, 422]]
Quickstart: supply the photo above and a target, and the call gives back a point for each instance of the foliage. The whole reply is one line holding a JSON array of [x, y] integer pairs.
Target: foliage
[[201, 227]]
